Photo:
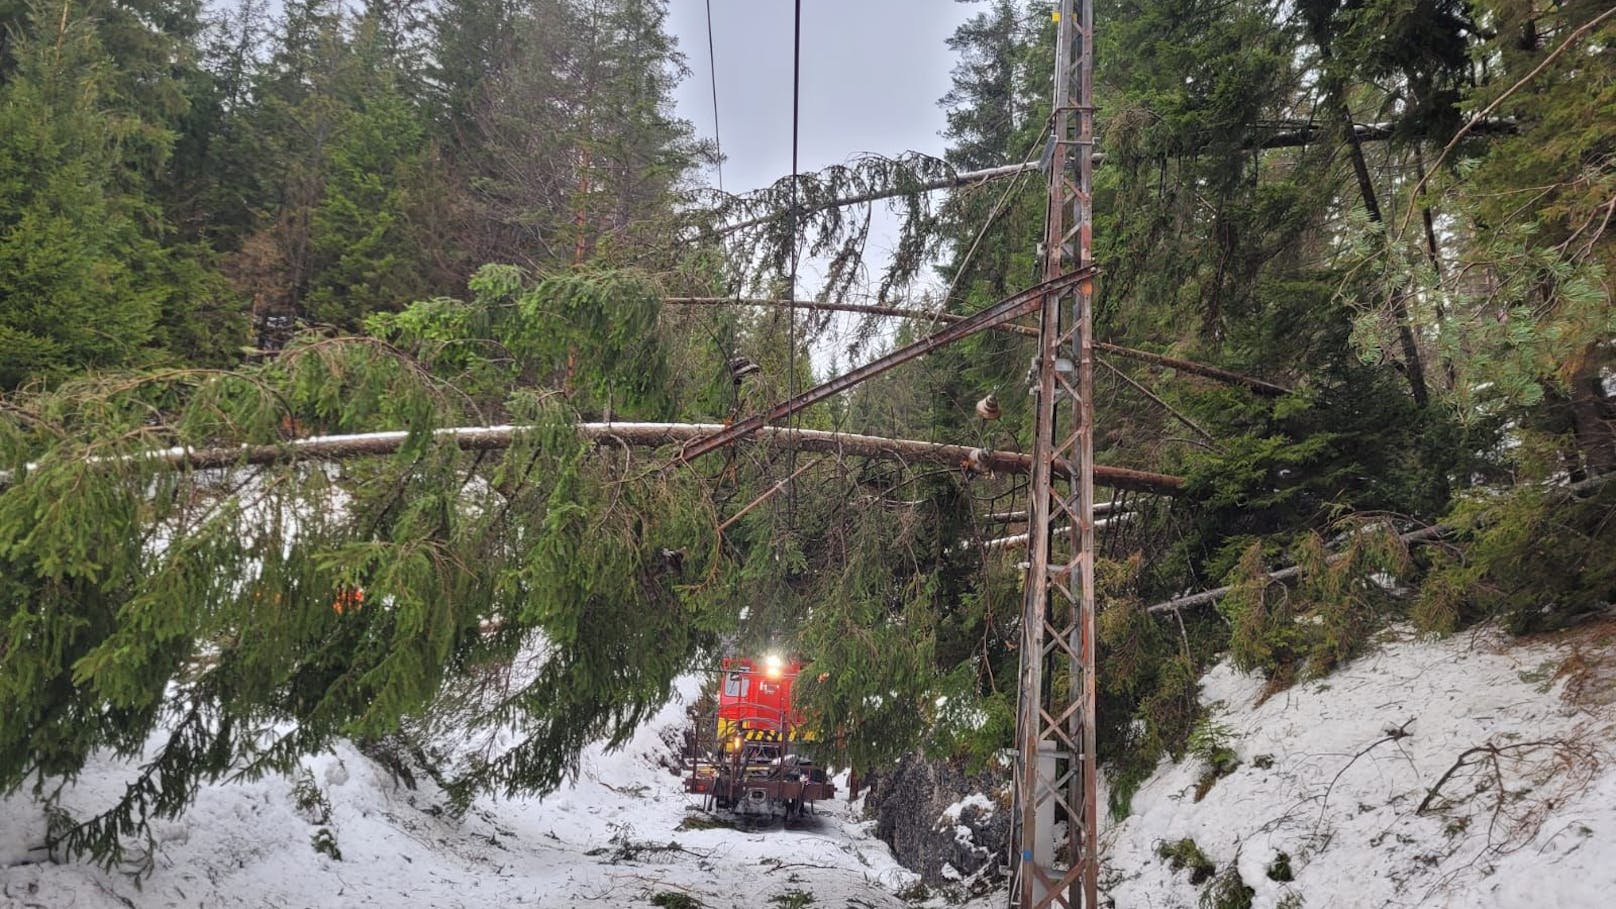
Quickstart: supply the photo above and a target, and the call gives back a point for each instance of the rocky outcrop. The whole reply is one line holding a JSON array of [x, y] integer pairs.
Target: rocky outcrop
[[942, 822]]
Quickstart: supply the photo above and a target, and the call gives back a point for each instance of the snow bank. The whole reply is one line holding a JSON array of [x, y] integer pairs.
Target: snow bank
[[611, 839], [1334, 774]]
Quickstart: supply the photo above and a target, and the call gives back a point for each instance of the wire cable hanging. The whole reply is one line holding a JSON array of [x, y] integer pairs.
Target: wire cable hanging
[[735, 281], [712, 75]]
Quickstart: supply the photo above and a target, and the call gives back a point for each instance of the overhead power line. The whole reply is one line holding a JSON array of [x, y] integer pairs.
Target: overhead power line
[[712, 74]]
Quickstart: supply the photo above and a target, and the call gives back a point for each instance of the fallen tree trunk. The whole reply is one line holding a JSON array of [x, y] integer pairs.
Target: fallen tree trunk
[[953, 181], [1297, 135], [1018, 540], [652, 435], [1259, 386], [1101, 509], [1208, 597], [1423, 535]]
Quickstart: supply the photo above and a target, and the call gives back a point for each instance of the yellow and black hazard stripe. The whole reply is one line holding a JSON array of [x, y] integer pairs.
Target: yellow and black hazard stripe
[[729, 731]]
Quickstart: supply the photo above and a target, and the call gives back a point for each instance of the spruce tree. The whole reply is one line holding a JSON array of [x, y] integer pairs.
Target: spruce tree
[[365, 256], [214, 607], [984, 104], [81, 283]]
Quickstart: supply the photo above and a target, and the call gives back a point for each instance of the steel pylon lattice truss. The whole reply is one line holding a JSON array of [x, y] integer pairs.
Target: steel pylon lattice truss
[[1054, 851]]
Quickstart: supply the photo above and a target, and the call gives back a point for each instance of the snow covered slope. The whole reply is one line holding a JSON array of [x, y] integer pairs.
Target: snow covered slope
[[612, 839], [1333, 775]]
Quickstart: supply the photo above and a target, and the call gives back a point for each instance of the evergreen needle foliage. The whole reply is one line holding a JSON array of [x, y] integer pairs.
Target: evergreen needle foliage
[[215, 609]]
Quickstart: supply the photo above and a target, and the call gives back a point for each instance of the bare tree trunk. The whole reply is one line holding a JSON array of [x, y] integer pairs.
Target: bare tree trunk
[[1405, 331], [1208, 597], [1434, 255], [1366, 187], [1593, 415]]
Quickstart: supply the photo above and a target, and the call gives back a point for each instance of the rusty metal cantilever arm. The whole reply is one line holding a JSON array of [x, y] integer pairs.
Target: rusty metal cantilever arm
[[999, 313]]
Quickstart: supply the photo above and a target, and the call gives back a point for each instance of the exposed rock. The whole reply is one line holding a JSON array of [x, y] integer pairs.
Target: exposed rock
[[678, 744], [942, 822]]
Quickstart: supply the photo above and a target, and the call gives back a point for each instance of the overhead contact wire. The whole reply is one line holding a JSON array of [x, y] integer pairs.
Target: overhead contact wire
[[796, 228], [712, 74]]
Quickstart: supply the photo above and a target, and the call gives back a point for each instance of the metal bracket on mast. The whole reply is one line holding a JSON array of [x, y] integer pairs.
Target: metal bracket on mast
[[1054, 852]]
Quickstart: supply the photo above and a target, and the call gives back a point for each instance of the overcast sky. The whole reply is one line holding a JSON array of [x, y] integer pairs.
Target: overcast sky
[[872, 73]]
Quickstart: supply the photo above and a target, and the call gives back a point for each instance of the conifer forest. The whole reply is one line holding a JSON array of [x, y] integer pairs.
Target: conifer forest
[[353, 355]]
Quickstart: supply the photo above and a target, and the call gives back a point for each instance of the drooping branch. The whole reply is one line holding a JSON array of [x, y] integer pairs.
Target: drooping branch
[[652, 435], [1482, 117], [1229, 377], [867, 309], [952, 181]]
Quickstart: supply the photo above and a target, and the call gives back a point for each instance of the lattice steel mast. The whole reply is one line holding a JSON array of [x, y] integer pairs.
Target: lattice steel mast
[[1055, 719]]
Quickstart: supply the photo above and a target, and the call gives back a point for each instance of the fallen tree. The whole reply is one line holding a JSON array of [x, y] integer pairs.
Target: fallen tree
[[1432, 534], [652, 435], [1288, 135], [1018, 540], [1208, 597]]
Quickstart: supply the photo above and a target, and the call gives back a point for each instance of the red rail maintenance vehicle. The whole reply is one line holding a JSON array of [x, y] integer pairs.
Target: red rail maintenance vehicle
[[753, 765]]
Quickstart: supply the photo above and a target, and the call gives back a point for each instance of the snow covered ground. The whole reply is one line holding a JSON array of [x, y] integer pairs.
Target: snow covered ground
[[615, 838], [1333, 774]]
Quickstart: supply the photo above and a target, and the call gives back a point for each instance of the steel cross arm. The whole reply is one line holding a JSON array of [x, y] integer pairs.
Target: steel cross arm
[[999, 313]]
